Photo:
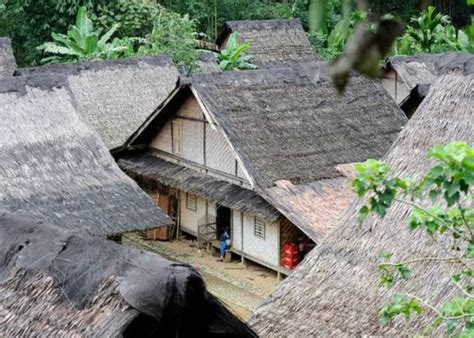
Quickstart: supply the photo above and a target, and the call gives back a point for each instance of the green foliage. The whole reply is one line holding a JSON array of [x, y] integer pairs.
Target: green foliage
[[233, 57], [432, 32], [174, 35], [400, 306], [82, 43], [441, 203], [135, 17], [210, 15]]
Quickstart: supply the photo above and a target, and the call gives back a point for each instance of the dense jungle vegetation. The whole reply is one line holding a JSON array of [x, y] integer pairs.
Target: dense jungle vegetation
[[144, 27]]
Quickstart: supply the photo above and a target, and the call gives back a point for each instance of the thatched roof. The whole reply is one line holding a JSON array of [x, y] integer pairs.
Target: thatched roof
[[7, 60], [117, 96], [336, 290], [60, 283], [272, 42], [52, 164], [293, 116], [207, 63], [195, 182], [314, 207], [290, 124], [423, 69]]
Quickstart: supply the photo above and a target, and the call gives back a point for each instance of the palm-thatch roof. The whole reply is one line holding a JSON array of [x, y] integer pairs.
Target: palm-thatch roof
[[146, 166], [7, 60], [207, 63], [315, 206], [52, 164], [424, 69], [290, 124], [336, 290], [117, 96], [60, 283], [272, 42]]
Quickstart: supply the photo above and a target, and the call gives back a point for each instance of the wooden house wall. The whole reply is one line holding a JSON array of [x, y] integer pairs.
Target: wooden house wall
[[200, 144], [192, 141], [162, 141], [267, 249], [236, 230], [189, 220], [244, 241], [394, 86], [219, 154]]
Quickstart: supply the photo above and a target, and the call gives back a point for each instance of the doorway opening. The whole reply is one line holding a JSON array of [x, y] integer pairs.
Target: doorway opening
[[222, 220]]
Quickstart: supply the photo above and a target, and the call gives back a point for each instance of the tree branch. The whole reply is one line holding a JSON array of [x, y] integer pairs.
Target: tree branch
[[434, 309]]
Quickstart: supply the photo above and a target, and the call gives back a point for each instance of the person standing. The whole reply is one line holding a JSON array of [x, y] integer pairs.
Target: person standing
[[223, 245]]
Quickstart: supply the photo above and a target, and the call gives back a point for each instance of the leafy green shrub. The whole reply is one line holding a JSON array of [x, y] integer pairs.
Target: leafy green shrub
[[135, 17], [431, 32], [82, 43], [174, 35], [233, 57], [330, 45], [442, 208]]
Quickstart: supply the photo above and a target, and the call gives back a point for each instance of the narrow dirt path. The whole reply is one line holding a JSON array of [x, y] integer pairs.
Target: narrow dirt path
[[241, 289]]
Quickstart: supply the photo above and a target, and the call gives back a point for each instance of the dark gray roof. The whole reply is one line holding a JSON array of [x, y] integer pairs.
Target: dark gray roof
[[60, 283], [336, 291], [423, 69], [230, 195], [53, 165], [207, 63], [290, 123], [7, 60], [117, 96], [272, 42]]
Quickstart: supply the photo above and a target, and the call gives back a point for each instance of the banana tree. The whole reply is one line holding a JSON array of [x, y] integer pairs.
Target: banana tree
[[82, 43], [233, 57]]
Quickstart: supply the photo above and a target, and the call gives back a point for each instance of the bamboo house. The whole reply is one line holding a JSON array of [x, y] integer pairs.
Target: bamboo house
[[116, 96], [403, 74], [56, 167], [272, 42], [337, 291], [59, 283], [259, 152]]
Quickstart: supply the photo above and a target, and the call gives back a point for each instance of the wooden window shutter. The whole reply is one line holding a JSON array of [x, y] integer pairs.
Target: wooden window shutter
[[259, 228], [191, 203]]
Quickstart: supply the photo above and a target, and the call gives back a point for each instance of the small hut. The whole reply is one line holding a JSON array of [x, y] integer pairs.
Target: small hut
[[7, 60], [272, 42], [258, 152], [116, 96], [53, 165], [58, 283], [336, 291], [402, 74]]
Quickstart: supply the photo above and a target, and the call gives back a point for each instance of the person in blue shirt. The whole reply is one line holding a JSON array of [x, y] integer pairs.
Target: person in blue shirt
[[223, 244]]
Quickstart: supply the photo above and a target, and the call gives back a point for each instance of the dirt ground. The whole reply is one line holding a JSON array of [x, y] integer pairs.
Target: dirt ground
[[240, 287]]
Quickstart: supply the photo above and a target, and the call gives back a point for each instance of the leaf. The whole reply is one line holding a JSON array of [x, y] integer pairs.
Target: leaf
[[363, 212], [317, 13], [53, 48], [470, 250], [239, 50], [103, 40], [404, 271], [91, 44]]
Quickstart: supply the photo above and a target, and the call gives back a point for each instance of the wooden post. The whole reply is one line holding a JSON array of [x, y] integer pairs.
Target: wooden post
[[178, 218], [279, 275], [242, 260]]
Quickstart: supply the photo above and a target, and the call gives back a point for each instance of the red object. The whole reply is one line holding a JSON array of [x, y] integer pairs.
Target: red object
[[290, 256]]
